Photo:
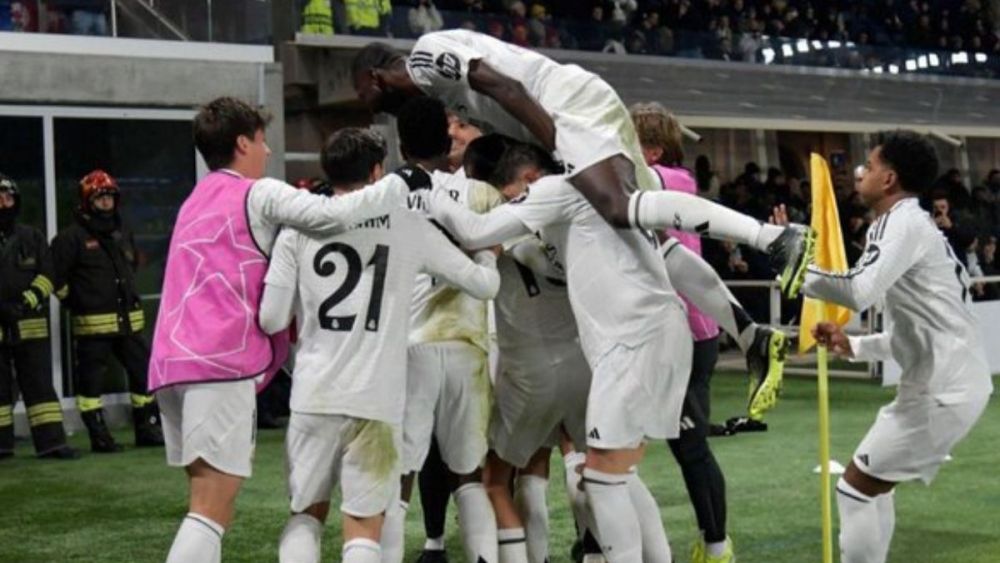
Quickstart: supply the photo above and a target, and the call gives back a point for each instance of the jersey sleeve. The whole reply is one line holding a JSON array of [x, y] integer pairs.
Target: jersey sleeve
[[440, 62], [871, 348], [280, 284], [530, 252], [474, 230], [547, 202], [889, 253], [483, 197], [277, 203], [443, 260]]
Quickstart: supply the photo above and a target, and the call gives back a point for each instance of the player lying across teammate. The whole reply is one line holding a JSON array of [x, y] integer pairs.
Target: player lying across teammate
[[577, 116]]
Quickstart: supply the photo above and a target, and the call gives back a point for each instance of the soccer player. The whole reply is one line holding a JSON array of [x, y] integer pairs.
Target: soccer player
[[351, 295], [448, 388], [573, 112], [930, 331], [208, 348]]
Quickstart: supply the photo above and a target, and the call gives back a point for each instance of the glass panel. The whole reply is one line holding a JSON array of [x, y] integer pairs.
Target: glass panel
[[154, 164]]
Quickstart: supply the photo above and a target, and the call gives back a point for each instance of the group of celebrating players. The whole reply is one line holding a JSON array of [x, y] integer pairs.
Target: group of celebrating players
[[558, 215]]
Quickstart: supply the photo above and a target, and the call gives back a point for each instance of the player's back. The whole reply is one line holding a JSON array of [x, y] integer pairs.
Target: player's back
[[933, 329], [353, 308]]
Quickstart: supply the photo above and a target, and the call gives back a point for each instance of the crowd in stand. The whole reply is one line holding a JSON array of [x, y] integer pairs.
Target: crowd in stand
[[78, 17]]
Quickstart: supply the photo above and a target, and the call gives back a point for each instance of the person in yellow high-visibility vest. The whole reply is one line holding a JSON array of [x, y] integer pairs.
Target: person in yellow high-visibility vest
[[317, 17], [368, 17]]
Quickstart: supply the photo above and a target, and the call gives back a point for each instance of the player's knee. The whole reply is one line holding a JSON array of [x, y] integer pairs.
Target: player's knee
[[319, 511]]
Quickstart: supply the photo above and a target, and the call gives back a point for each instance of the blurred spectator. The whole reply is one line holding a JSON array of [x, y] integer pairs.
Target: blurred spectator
[[594, 36], [951, 183], [984, 209], [85, 17], [855, 229], [621, 11], [538, 25], [367, 17], [988, 266], [993, 183], [960, 237], [424, 18], [706, 178], [317, 17]]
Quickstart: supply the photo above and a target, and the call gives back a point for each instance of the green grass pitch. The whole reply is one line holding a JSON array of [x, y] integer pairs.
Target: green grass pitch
[[126, 507]]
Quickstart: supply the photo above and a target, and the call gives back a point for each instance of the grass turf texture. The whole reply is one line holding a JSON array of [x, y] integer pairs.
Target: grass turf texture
[[126, 507]]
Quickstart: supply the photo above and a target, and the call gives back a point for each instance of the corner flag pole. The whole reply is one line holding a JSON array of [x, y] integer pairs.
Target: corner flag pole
[[824, 441]]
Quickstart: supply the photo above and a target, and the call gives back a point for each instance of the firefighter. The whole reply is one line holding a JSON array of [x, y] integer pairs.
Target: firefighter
[[95, 262], [25, 285]]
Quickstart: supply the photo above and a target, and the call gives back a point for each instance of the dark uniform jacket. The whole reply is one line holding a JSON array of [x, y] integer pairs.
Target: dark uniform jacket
[[25, 263], [95, 262]]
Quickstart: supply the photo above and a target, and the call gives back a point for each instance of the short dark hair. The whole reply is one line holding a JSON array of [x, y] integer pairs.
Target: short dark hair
[[422, 124], [496, 159], [518, 156], [911, 157], [483, 154], [373, 55], [219, 123], [350, 154]]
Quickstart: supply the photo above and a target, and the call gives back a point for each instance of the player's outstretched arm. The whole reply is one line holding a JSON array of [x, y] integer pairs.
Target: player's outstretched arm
[[281, 204], [889, 254], [871, 348], [443, 260], [474, 230], [513, 97], [530, 252]]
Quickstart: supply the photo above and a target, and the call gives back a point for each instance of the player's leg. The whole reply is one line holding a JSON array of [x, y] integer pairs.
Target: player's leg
[[497, 476], [861, 535], [34, 377], [605, 480], [195, 417], [530, 490], [461, 428], [6, 402], [133, 353], [92, 355], [368, 481], [312, 458], [703, 478], [434, 481]]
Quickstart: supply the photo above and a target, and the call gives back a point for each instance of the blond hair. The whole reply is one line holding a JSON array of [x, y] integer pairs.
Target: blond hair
[[658, 128]]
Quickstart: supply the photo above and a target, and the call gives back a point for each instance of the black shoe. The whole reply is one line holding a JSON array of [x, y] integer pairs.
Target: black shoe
[[766, 362], [739, 424], [433, 556], [148, 433], [64, 452], [101, 441], [790, 255], [718, 430], [576, 552]]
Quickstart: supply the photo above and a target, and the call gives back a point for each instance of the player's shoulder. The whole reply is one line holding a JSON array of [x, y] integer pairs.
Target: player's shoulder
[[553, 186], [904, 220]]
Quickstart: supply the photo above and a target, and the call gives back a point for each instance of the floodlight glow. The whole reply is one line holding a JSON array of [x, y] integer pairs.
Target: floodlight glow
[[934, 60], [960, 58], [833, 44], [922, 61], [768, 55], [817, 45], [877, 70], [894, 69], [911, 65], [980, 57], [787, 50], [802, 46]]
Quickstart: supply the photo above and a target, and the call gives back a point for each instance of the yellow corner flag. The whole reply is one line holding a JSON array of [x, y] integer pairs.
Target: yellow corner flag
[[830, 254]]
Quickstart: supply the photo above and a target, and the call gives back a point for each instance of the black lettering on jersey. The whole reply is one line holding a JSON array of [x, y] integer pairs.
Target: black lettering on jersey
[[519, 198], [415, 201], [449, 66], [872, 254], [374, 223], [453, 194]]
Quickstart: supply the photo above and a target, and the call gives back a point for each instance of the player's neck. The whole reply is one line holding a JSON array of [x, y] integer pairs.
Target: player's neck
[[885, 204], [348, 188], [433, 164]]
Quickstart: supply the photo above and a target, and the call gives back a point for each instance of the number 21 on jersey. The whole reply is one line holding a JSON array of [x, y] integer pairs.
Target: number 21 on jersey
[[325, 267]]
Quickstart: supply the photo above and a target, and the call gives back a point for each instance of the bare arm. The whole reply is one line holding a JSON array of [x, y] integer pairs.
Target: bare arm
[[513, 97]]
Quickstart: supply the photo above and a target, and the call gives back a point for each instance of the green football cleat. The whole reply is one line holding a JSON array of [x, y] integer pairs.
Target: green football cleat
[[791, 253], [766, 362], [699, 554]]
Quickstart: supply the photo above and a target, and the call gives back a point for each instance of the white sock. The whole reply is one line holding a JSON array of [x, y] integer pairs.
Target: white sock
[[577, 498], [887, 520], [655, 547], [860, 532], [617, 523], [686, 212], [695, 279], [716, 549], [300, 541], [529, 497], [434, 544], [361, 550], [512, 545], [393, 531], [477, 523], [198, 540]]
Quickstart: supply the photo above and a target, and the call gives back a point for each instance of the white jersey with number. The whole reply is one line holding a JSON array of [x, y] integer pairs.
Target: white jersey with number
[[439, 66], [931, 332], [618, 287], [353, 305], [439, 312]]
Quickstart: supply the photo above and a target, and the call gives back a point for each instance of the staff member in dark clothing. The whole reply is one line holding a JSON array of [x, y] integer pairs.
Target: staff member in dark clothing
[[95, 261], [25, 285]]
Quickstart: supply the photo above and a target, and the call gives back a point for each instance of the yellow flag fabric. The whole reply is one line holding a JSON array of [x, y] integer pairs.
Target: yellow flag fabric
[[830, 253]]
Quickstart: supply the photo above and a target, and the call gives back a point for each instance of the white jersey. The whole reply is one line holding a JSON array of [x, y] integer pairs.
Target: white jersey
[[439, 312], [931, 330], [618, 287], [533, 312], [353, 301], [439, 66]]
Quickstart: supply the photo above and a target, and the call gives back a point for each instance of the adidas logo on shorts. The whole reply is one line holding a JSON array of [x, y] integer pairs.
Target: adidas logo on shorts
[[594, 434]]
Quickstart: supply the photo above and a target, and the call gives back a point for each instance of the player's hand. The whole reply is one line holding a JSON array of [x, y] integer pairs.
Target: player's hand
[[833, 337], [779, 215], [416, 178]]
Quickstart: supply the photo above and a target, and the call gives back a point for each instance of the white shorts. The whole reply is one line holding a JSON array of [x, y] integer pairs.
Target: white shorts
[[593, 124], [536, 395], [448, 396], [362, 455], [906, 444], [637, 392], [216, 422]]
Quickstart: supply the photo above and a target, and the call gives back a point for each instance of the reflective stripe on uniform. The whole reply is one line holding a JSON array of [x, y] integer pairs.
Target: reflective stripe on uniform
[[139, 401], [30, 299], [85, 325], [6, 415], [137, 320], [87, 404], [44, 413], [63, 292], [33, 329], [43, 284]]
